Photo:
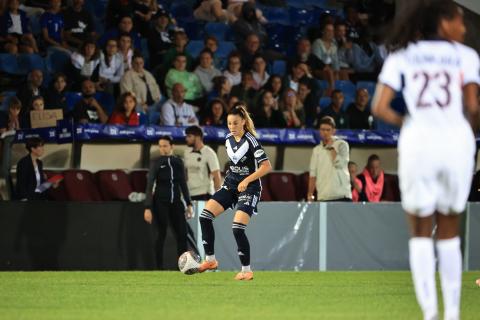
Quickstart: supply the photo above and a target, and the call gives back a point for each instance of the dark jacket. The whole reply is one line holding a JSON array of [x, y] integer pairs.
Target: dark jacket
[[26, 180]]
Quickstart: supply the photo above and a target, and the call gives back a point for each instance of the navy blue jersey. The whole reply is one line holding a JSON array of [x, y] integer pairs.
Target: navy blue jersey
[[245, 156]]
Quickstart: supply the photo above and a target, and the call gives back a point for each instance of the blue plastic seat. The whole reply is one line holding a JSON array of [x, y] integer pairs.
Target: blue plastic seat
[[217, 29], [279, 67], [7, 95], [276, 15], [9, 64], [369, 85], [57, 61], [194, 47], [72, 99], [181, 10], [153, 117], [224, 49], [106, 100], [324, 102], [302, 16], [347, 87], [322, 84]]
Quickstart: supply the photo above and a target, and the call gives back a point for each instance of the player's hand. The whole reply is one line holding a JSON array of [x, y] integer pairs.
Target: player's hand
[[242, 186], [147, 216], [189, 212]]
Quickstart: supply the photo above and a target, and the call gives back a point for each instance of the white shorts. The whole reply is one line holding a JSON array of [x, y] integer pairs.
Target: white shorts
[[435, 170]]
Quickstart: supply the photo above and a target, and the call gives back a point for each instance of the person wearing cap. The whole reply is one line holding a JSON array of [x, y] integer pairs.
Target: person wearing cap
[[201, 163], [160, 37]]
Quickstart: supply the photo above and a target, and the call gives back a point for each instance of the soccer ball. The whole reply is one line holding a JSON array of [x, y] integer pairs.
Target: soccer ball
[[189, 262]]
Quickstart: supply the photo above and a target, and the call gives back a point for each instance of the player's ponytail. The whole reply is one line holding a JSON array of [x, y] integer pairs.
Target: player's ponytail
[[240, 109]]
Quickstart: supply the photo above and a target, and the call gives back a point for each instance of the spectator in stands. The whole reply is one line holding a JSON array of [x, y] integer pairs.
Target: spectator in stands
[[38, 104], [221, 89], [210, 11], [84, 63], [304, 54], [298, 72], [335, 110], [126, 50], [53, 24], [366, 59], [275, 85], [124, 26], [201, 164], [309, 102], [292, 109], [267, 113], [211, 43], [55, 95], [167, 174], [159, 38], [180, 41], [142, 83], [259, 72], [32, 88], [234, 10], [189, 80], [15, 31], [352, 22], [88, 110], [358, 112], [248, 50], [329, 174], [231, 102], [177, 112], [325, 48], [111, 67], [216, 114], [206, 71], [245, 91], [344, 50], [30, 173], [79, 24], [234, 65], [248, 24], [115, 10], [124, 112], [143, 11], [372, 178], [10, 120], [355, 183]]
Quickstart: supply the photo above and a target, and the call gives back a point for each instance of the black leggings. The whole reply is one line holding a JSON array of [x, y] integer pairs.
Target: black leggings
[[173, 213]]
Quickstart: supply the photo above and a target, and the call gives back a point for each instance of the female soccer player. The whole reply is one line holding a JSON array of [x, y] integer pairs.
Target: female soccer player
[[438, 77], [248, 163]]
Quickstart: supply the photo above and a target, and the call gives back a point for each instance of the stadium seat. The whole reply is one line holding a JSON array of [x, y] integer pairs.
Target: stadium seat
[[266, 195], [138, 180], [72, 98], [302, 186], [279, 67], [181, 10], [302, 16], [325, 102], [224, 49], [276, 15], [106, 100], [59, 193], [57, 61], [391, 189], [369, 85], [194, 47], [282, 186], [35, 24], [347, 87], [347, 101], [217, 29], [153, 117], [80, 185], [9, 64], [7, 95], [114, 185], [297, 3], [322, 85], [28, 62]]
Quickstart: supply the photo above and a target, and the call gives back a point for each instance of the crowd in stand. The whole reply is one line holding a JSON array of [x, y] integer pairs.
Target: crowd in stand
[[144, 61]]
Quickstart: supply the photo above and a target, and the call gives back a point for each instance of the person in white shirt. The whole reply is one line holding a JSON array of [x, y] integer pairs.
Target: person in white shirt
[[176, 112], [259, 72], [111, 66], [439, 79], [329, 174], [201, 163], [206, 71], [233, 72]]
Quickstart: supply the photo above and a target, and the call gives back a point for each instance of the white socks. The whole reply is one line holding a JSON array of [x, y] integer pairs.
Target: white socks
[[246, 269], [422, 265], [210, 258], [450, 267]]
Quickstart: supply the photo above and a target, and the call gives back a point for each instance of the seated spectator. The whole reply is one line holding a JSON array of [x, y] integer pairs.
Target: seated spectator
[[79, 24], [124, 112], [231, 102], [304, 54], [124, 26], [125, 49], [30, 173], [298, 72], [55, 95], [143, 11], [335, 111], [325, 48], [344, 51], [84, 63], [210, 11], [221, 89], [159, 38], [234, 11], [115, 10], [206, 70], [245, 91], [52, 24], [249, 49], [247, 24], [216, 115], [292, 109], [38, 104], [353, 23], [309, 102], [189, 80], [142, 83], [366, 59], [176, 112], [356, 184], [32, 89], [259, 72], [111, 67], [211, 43], [372, 178], [10, 120], [15, 32], [358, 112], [267, 113], [88, 110], [234, 64], [180, 40], [275, 86]]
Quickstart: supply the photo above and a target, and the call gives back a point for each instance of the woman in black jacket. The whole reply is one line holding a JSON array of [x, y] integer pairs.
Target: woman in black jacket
[[30, 172], [164, 202]]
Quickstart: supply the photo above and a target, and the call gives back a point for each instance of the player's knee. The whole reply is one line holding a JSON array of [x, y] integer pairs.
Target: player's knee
[[206, 215], [238, 230]]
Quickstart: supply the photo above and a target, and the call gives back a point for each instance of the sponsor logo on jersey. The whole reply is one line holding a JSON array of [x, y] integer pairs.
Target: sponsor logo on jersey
[[259, 153]]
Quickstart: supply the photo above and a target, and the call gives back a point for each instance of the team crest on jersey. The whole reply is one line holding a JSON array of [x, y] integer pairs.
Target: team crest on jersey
[[237, 152]]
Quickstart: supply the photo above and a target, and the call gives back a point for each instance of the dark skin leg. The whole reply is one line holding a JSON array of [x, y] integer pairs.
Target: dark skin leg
[[447, 226]]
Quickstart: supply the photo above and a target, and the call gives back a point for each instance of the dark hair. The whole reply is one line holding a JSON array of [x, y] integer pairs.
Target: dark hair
[[206, 50], [305, 82], [14, 103], [137, 55], [218, 82], [194, 130], [240, 109], [121, 101], [215, 101], [420, 21], [335, 92], [107, 60], [33, 143], [372, 158], [57, 76], [167, 138], [269, 85], [84, 46], [210, 37], [328, 121]]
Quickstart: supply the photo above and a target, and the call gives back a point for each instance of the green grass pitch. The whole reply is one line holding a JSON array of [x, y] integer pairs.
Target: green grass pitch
[[172, 295]]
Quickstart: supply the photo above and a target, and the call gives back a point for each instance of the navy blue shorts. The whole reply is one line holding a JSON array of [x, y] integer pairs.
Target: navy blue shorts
[[245, 201]]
